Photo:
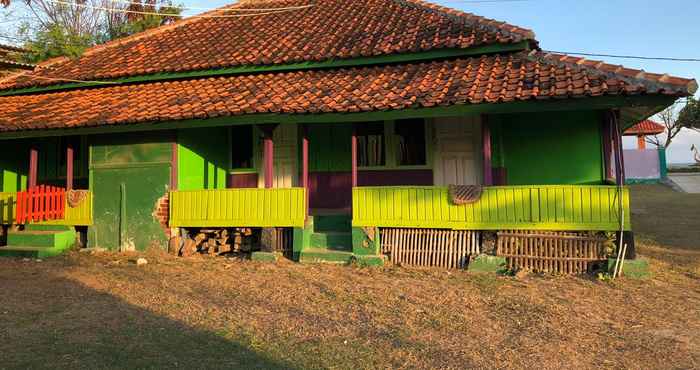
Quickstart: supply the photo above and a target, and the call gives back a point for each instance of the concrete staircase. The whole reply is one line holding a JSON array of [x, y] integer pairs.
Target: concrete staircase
[[331, 240], [38, 241]]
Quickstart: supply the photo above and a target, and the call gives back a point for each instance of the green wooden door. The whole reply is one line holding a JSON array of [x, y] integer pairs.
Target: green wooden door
[[124, 205]]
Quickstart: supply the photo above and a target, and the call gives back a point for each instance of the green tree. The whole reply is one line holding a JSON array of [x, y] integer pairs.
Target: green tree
[[68, 28]]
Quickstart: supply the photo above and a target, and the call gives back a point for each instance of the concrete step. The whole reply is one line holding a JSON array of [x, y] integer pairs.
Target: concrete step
[[38, 241], [316, 255], [341, 241], [41, 238], [30, 252]]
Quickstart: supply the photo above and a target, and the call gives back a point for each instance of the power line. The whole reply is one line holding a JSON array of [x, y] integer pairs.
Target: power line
[[85, 6], [670, 59], [212, 9]]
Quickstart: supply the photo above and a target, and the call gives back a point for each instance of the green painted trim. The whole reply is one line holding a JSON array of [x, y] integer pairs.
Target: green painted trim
[[598, 103], [663, 163], [334, 63], [642, 181], [526, 207]]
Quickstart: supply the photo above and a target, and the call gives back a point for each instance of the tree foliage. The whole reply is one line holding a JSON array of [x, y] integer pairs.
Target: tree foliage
[[675, 120], [58, 29]]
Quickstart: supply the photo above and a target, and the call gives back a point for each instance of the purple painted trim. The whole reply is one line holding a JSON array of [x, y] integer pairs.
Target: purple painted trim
[[69, 167], [269, 159], [305, 164], [242, 181], [354, 159], [396, 178], [486, 145], [33, 166]]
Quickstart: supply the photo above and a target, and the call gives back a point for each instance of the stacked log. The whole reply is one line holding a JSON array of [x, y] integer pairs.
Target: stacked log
[[213, 242]]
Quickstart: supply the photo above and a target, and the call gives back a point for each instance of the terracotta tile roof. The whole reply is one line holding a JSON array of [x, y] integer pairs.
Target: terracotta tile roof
[[647, 127], [487, 79], [330, 29]]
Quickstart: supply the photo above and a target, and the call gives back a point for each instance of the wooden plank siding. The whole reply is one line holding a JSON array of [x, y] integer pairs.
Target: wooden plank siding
[[532, 207], [78, 216], [238, 207]]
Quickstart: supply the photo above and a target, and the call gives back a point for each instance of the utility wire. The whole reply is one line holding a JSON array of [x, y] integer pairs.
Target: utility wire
[[85, 6], [670, 59], [223, 9]]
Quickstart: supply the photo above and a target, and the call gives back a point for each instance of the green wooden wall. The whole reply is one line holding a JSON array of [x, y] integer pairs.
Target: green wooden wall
[[203, 158], [14, 164], [330, 147], [549, 148], [128, 174]]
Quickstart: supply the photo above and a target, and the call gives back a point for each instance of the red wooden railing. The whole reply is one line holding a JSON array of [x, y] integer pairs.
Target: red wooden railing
[[41, 203]]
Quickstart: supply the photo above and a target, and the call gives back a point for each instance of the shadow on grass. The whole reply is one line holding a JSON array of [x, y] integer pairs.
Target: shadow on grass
[[63, 324]]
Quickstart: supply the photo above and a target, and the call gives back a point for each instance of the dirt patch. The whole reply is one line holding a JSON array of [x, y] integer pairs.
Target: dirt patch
[[104, 311]]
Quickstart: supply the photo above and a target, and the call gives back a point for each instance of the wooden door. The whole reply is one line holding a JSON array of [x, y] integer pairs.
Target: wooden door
[[457, 151], [285, 161]]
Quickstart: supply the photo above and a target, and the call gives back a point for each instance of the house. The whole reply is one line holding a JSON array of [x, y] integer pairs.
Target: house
[[645, 165], [10, 60], [333, 131]]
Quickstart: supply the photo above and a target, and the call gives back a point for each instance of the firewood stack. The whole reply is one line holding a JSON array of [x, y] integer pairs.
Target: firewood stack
[[213, 242]]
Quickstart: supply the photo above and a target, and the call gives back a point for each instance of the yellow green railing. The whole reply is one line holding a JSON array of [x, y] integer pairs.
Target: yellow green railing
[[78, 216], [547, 207], [238, 207]]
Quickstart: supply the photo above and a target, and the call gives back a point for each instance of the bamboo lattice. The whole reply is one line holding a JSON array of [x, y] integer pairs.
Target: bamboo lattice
[[552, 252], [430, 247]]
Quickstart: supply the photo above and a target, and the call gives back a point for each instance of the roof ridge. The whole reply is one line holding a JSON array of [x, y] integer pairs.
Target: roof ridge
[[465, 16], [628, 75]]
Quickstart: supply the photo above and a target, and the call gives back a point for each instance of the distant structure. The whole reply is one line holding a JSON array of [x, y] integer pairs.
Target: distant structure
[[644, 165], [644, 129], [10, 60], [696, 154]]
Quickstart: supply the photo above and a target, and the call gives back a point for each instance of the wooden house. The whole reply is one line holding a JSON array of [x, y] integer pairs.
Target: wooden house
[[332, 130]]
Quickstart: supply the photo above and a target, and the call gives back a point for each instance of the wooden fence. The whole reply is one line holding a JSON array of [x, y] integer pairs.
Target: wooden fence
[[238, 208], [551, 252], [430, 247], [536, 207]]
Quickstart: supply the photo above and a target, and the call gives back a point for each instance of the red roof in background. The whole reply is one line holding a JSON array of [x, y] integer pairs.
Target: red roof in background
[[647, 127]]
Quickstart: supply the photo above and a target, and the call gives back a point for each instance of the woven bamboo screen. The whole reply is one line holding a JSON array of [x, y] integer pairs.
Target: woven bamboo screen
[[430, 247], [552, 252]]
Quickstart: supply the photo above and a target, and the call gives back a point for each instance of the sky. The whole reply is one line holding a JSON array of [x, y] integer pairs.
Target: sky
[[623, 27]]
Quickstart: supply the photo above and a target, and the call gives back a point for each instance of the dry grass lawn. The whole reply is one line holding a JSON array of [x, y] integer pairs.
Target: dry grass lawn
[[102, 311]]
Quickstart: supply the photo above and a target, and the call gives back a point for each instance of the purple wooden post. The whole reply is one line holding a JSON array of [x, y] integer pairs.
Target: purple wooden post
[[486, 145], [354, 158], [33, 166], [269, 159], [69, 167], [305, 165]]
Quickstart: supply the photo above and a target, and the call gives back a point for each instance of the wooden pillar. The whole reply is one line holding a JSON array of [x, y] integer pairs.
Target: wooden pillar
[[33, 166], [354, 158], [305, 164], [268, 155], [641, 142], [69, 167], [486, 147], [617, 148]]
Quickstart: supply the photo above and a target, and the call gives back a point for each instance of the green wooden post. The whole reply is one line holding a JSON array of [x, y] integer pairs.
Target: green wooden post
[[663, 166]]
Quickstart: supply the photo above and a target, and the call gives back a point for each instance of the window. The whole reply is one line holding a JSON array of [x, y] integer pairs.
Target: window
[[370, 144], [410, 142], [242, 147]]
